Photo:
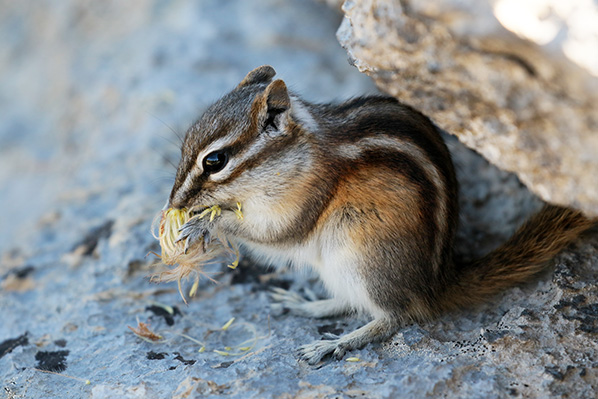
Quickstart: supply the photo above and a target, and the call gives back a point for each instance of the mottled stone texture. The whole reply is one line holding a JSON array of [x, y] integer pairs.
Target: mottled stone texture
[[524, 107], [89, 92]]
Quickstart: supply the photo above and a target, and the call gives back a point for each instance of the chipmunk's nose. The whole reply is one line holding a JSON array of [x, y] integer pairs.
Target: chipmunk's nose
[[177, 201]]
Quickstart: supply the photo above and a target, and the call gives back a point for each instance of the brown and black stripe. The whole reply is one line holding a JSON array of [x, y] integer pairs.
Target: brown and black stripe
[[392, 163]]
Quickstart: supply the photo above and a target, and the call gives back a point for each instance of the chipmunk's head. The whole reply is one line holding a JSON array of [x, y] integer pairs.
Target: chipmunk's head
[[246, 145]]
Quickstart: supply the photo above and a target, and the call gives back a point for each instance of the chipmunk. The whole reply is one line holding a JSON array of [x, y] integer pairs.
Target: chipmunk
[[363, 192]]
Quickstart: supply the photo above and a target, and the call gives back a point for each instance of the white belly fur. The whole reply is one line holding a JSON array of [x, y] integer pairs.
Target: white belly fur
[[336, 263]]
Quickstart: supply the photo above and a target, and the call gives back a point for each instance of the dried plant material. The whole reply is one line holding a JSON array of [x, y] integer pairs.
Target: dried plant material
[[235, 251], [195, 387], [171, 222], [202, 346], [238, 211], [227, 324], [240, 330], [42, 341], [143, 332], [86, 382], [193, 289], [237, 339], [234, 264], [190, 257]]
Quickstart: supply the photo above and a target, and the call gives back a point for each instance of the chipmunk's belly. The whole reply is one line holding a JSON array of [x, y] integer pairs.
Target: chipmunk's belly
[[281, 256], [337, 267], [340, 274]]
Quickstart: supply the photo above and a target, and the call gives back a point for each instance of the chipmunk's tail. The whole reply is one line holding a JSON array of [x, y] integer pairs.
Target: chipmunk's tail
[[525, 254]]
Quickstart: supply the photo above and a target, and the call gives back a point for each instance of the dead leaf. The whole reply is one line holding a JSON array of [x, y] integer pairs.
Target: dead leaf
[[143, 332]]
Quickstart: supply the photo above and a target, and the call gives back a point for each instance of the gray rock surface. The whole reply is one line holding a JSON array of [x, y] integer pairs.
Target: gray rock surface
[[89, 94], [526, 107]]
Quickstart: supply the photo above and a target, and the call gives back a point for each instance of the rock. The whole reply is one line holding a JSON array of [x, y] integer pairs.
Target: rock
[[528, 108]]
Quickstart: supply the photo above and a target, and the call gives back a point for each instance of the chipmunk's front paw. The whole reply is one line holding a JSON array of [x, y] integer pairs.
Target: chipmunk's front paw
[[286, 301], [299, 306], [199, 227], [313, 353], [193, 231]]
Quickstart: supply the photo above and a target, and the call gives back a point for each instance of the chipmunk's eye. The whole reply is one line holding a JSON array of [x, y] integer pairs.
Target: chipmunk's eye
[[215, 161]]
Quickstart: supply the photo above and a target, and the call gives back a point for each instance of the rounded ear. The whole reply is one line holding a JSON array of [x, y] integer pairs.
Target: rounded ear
[[272, 104], [277, 97], [263, 74]]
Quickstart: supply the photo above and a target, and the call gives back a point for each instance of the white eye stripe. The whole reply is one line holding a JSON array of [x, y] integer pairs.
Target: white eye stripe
[[253, 148]]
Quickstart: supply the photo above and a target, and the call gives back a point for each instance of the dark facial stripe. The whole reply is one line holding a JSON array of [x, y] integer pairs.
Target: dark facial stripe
[[272, 151]]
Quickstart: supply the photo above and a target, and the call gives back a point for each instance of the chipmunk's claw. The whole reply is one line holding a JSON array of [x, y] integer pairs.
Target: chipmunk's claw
[[314, 353], [193, 231]]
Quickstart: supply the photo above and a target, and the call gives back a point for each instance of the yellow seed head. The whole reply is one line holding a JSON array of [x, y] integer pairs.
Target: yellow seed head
[[189, 257], [227, 324], [171, 223]]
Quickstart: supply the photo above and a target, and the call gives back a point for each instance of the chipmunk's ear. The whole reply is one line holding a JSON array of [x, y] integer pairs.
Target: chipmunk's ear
[[276, 101], [263, 74], [277, 97], [271, 107]]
